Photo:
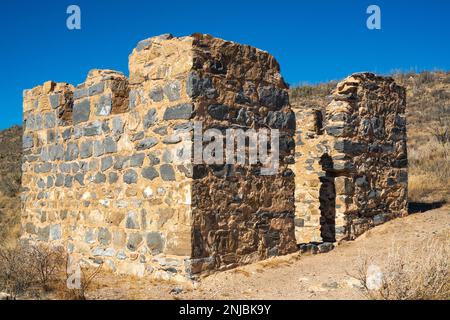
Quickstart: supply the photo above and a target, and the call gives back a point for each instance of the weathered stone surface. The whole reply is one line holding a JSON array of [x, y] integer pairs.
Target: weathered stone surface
[[179, 112], [150, 173], [93, 129], [81, 111], [150, 118], [104, 236], [273, 97], [155, 242], [106, 163], [27, 142], [110, 145], [134, 240], [104, 106], [130, 176], [218, 111], [172, 90], [146, 144], [99, 178], [167, 172], [86, 149], [137, 160], [157, 94], [71, 152]]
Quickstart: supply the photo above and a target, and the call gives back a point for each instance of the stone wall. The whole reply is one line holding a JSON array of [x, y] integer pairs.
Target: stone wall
[[102, 174], [110, 171], [239, 215], [351, 160]]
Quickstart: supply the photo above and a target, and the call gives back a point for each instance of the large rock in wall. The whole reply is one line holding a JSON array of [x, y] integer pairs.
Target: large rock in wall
[[108, 166], [351, 160]]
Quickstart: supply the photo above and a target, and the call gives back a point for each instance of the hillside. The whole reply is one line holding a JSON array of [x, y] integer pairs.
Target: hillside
[[10, 173]]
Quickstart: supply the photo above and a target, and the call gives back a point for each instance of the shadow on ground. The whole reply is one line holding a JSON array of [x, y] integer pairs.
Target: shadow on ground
[[417, 207]]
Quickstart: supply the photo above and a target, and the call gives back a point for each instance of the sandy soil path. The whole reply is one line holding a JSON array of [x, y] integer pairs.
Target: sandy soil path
[[323, 276]]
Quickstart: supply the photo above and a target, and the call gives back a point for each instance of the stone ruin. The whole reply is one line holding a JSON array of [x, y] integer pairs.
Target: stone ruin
[[100, 176], [351, 160]]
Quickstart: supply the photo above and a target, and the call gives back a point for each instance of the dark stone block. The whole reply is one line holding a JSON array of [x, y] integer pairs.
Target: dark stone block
[[110, 145], [150, 173], [68, 181], [157, 94], [280, 120], [150, 118], [106, 163], [162, 131], [154, 159], [119, 162], [167, 172], [137, 160], [86, 149], [79, 177], [218, 111], [179, 112], [155, 242], [117, 126], [59, 180], [67, 133], [81, 111], [104, 236], [273, 97], [335, 131], [134, 240], [80, 93], [98, 149], [146, 144], [197, 86], [27, 142], [54, 100], [50, 182], [93, 129], [99, 178], [43, 233], [138, 136], [130, 177], [50, 120], [113, 177], [96, 89], [71, 152]]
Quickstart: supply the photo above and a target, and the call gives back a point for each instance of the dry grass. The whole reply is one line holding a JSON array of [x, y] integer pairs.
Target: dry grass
[[429, 166], [40, 271], [421, 272]]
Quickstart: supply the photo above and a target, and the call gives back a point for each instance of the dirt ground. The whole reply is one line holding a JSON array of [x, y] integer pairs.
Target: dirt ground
[[323, 276]]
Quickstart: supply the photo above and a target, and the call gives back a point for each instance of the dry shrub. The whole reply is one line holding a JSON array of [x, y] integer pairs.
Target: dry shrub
[[16, 276], [421, 273], [86, 277], [47, 263], [30, 269], [429, 171]]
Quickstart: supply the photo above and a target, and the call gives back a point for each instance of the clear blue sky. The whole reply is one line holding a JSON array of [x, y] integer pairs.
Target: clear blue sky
[[314, 41]]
